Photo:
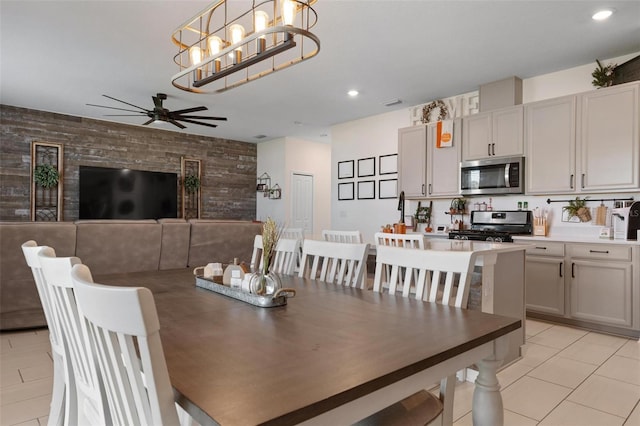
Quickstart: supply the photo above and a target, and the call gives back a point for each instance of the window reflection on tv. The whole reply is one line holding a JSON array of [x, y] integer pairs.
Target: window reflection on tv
[[107, 193]]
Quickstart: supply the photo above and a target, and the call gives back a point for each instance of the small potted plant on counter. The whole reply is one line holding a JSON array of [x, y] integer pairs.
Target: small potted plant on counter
[[578, 208]]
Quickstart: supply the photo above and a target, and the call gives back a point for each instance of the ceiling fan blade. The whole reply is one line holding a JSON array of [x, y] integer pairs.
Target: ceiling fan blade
[[200, 118], [197, 122], [126, 103], [119, 109], [187, 110], [148, 122], [175, 123], [121, 115]]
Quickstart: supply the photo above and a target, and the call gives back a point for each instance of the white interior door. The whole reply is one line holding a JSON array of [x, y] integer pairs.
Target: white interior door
[[302, 202]]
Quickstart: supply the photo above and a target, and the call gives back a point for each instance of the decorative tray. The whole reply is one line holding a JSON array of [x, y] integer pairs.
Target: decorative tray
[[279, 298]]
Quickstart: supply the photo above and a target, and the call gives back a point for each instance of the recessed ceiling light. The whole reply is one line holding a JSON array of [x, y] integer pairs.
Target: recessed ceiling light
[[352, 93], [602, 15]]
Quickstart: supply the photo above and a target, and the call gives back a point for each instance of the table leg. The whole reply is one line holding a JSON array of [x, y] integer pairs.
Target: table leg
[[487, 407]]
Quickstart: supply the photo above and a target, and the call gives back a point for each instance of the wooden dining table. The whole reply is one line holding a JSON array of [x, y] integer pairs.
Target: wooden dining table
[[331, 355]]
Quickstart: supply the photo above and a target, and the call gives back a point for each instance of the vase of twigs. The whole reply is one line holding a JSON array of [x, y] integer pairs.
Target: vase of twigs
[[264, 282]]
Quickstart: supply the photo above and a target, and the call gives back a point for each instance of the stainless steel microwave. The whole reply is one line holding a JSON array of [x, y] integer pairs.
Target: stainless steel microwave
[[492, 176]]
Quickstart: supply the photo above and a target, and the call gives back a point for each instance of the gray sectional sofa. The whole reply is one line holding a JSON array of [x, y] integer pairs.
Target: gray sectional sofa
[[113, 246]]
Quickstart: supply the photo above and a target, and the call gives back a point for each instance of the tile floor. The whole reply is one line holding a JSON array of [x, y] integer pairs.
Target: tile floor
[[566, 377]]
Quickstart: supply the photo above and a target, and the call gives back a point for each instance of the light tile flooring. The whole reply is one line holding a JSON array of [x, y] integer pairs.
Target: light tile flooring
[[566, 377]]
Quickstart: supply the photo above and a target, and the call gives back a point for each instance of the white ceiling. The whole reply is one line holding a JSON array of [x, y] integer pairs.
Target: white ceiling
[[60, 55]]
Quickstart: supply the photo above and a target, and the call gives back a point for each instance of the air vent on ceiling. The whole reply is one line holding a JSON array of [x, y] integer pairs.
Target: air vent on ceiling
[[392, 102], [260, 136]]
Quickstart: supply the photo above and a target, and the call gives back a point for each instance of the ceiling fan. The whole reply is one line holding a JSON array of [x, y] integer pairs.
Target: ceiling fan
[[160, 113]]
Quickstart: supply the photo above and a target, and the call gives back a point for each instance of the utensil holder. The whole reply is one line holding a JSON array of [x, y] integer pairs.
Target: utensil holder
[[540, 228]]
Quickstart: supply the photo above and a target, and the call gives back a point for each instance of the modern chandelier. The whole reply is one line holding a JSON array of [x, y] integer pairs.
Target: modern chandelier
[[232, 42]]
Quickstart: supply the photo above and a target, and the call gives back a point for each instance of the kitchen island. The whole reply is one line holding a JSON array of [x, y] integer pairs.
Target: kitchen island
[[503, 280]]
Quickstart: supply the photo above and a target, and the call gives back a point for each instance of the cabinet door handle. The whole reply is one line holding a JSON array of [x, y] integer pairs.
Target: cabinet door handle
[[422, 189], [573, 272], [599, 251], [561, 263], [430, 191], [583, 180], [571, 181], [541, 248], [493, 149], [488, 149]]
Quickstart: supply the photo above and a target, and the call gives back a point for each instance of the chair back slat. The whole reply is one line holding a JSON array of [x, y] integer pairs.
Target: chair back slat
[[136, 382], [342, 236], [434, 276], [286, 256], [399, 240], [256, 256], [339, 263]]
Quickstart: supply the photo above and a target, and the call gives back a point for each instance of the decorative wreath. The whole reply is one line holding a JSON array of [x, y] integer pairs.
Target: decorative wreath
[[426, 111]]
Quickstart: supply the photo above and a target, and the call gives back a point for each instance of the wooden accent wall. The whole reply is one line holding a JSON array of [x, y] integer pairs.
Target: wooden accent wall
[[228, 167]]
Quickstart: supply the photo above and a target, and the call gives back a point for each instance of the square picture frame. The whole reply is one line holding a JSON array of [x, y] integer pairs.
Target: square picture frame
[[345, 191], [345, 169], [388, 164], [387, 188], [367, 190], [367, 167]]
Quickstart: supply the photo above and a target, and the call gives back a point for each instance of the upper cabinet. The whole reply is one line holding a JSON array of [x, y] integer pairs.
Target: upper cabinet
[[424, 170], [584, 143], [496, 133], [550, 138], [608, 138]]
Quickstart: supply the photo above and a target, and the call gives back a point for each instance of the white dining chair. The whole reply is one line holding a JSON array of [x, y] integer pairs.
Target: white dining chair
[[434, 276], [292, 233], [61, 411], [285, 256], [256, 256], [342, 236], [339, 263], [128, 349], [89, 405], [398, 240]]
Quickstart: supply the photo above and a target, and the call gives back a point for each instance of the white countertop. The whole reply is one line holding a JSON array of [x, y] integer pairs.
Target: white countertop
[[572, 239], [479, 247]]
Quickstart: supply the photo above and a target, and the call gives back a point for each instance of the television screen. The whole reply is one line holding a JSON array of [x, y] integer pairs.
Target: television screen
[[107, 193]]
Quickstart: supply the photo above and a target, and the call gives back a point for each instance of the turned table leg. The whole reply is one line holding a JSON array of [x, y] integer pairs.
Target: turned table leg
[[487, 407]]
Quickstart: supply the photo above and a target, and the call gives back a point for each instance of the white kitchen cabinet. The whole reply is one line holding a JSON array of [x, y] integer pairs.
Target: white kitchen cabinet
[[545, 278], [424, 170], [608, 139], [601, 283], [496, 133], [550, 140], [443, 164], [584, 143]]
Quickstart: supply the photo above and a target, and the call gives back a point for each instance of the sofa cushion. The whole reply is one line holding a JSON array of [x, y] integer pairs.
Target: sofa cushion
[[174, 251], [20, 305], [119, 245], [221, 241]]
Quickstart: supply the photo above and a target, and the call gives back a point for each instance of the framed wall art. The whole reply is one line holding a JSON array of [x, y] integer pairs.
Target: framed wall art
[[388, 164], [367, 190], [345, 169], [387, 188], [345, 191], [367, 167]]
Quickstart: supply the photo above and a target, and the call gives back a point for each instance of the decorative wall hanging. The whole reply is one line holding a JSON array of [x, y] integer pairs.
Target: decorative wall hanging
[[345, 169], [46, 181], [367, 190], [387, 188], [190, 171], [275, 192], [345, 191], [367, 167], [263, 183], [442, 113], [388, 164]]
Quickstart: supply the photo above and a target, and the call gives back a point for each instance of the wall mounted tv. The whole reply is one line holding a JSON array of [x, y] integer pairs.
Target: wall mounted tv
[[107, 193]]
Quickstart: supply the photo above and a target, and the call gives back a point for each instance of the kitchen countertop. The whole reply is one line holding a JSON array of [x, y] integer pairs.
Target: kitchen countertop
[[479, 247], [572, 239]]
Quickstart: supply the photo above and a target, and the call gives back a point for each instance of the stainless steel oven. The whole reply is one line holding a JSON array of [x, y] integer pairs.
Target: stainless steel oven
[[492, 176]]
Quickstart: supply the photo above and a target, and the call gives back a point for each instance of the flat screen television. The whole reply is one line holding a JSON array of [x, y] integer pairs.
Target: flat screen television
[[107, 193]]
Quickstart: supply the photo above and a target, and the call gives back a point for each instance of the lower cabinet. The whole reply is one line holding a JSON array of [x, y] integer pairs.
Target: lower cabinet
[[585, 284]]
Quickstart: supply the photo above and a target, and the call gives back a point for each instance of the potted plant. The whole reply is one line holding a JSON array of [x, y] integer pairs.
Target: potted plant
[[46, 176], [603, 76], [458, 206], [422, 218], [191, 183], [578, 208]]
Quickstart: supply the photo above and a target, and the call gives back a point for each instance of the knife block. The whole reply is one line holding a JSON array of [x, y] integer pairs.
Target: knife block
[[540, 228]]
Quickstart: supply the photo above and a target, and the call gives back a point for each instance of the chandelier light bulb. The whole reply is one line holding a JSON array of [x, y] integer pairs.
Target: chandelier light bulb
[[195, 53], [236, 34], [214, 45], [288, 11], [261, 22]]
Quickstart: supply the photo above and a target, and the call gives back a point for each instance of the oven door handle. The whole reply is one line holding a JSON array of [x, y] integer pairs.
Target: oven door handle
[[507, 168]]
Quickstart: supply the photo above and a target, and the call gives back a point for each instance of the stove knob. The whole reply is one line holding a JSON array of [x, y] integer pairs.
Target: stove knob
[[464, 237], [490, 239], [498, 239]]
